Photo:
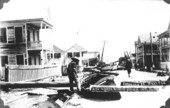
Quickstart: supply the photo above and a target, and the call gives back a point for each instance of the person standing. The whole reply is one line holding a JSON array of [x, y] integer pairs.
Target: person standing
[[128, 66], [72, 73]]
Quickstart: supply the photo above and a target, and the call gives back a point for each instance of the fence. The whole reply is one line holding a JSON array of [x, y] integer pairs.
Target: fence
[[15, 73], [165, 66]]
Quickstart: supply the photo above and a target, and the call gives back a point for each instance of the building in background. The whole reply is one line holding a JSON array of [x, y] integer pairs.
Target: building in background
[[57, 55], [75, 51], [164, 42], [147, 52], [91, 58], [85, 58]]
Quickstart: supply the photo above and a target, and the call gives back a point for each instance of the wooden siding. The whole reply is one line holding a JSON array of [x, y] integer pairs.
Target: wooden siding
[[12, 48], [16, 73]]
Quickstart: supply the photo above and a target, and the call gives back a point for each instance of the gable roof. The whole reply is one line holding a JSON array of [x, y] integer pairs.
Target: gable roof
[[57, 50], [76, 48]]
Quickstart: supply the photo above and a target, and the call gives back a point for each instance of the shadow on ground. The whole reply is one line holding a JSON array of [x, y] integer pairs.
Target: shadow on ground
[[101, 96]]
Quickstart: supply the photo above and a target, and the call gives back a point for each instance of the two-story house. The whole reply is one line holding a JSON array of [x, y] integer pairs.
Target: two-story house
[[147, 52], [26, 42], [164, 43]]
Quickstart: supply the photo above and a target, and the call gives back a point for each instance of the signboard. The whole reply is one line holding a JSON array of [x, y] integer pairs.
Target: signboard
[[121, 89]]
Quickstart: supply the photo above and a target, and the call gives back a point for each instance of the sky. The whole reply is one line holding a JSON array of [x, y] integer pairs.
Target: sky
[[91, 22]]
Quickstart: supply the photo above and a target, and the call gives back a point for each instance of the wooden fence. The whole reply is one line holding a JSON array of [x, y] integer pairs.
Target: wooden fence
[[14, 73]]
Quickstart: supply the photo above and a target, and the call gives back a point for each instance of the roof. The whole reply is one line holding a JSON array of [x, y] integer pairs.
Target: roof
[[57, 50], [169, 26], [164, 34], [27, 21], [76, 48]]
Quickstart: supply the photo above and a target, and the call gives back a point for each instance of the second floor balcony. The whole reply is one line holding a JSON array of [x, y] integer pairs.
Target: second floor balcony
[[153, 51], [34, 45], [165, 45]]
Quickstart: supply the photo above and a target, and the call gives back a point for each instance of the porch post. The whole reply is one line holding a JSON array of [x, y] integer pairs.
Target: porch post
[[26, 41], [42, 51], [80, 63], [144, 54], [160, 45]]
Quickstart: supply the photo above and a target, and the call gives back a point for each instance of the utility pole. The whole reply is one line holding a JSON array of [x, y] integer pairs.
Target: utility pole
[[151, 49], [144, 53], [160, 50]]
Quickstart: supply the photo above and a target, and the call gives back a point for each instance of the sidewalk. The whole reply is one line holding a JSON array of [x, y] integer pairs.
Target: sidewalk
[[138, 76]]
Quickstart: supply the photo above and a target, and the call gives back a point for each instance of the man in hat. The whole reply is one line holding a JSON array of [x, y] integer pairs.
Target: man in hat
[[72, 73]]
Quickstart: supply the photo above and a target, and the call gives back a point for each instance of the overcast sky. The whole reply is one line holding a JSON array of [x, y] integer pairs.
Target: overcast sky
[[90, 22]]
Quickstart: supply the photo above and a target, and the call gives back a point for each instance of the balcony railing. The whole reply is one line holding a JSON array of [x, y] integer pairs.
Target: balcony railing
[[148, 52], [165, 45], [34, 45], [153, 51]]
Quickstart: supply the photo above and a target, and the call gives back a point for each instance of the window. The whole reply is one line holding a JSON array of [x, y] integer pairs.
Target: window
[[48, 56], [69, 55], [20, 60], [18, 34], [4, 60], [76, 54], [28, 35], [57, 55], [38, 36], [34, 35], [82, 53], [3, 37]]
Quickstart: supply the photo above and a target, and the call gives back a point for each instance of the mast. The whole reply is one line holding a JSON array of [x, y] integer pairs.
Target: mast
[[103, 51]]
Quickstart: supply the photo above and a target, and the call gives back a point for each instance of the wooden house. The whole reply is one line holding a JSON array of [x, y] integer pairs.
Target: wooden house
[[164, 43], [75, 51], [26, 42], [147, 52], [58, 55]]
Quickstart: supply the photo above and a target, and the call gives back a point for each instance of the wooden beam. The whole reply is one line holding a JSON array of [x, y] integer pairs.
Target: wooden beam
[[8, 85]]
